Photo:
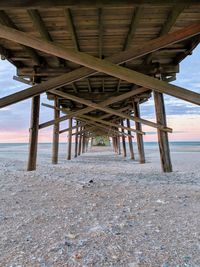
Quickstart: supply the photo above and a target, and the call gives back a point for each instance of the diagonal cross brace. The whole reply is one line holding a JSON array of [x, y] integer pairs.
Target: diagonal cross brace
[[109, 110], [101, 65], [107, 102]]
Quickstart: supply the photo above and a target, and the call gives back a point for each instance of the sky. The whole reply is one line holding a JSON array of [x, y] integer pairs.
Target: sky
[[182, 117]]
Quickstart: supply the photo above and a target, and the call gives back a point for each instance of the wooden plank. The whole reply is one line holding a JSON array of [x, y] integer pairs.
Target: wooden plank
[[41, 4], [69, 140], [130, 141], [138, 126], [162, 136], [83, 72], [56, 126], [33, 133], [109, 110]]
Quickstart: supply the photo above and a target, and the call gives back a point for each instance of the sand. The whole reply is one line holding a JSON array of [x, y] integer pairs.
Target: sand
[[101, 210]]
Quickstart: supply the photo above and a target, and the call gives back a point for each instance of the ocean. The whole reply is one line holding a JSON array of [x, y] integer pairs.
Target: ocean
[[20, 150]]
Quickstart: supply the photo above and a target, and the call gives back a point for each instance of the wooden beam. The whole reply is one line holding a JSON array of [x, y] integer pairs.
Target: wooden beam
[[162, 136], [5, 20], [55, 146], [74, 88], [21, 80], [138, 126], [171, 20], [69, 140], [109, 110], [104, 127], [189, 49], [40, 26], [100, 65], [33, 133], [43, 4], [130, 141], [71, 28], [83, 72], [111, 123], [107, 102], [133, 26], [143, 68], [100, 28]]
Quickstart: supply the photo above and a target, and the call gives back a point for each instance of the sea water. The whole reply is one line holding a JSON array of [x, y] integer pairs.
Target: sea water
[[20, 150]]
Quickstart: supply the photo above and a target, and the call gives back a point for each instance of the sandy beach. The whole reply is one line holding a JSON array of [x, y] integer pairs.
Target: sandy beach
[[101, 210]]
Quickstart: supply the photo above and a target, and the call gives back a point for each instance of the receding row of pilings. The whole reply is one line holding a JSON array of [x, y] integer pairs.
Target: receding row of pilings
[[81, 137], [121, 139]]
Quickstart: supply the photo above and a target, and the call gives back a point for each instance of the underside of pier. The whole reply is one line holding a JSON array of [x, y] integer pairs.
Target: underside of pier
[[98, 61]]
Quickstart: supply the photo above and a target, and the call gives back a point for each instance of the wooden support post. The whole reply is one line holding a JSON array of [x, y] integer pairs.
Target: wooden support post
[[69, 140], [83, 142], [138, 126], [80, 142], [118, 144], [55, 132], [123, 140], [92, 140], [115, 144], [130, 141], [162, 136], [33, 133], [76, 141]]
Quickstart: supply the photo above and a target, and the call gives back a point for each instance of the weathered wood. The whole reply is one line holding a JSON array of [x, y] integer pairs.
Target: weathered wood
[[162, 136], [100, 65], [33, 133], [40, 26], [130, 141], [41, 4], [69, 140], [109, 110], [71, 28], [114, 129], [83, 72], [123, 140], [107, 102], [80, 142], [110, 123], [83, 143], [138, 126], [56, 126], [118, 144], [171, 20], [100, 29], [5, 20], [134, 24]]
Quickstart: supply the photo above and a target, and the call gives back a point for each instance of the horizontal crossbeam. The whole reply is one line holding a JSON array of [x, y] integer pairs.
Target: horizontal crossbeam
[[84, 72]]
